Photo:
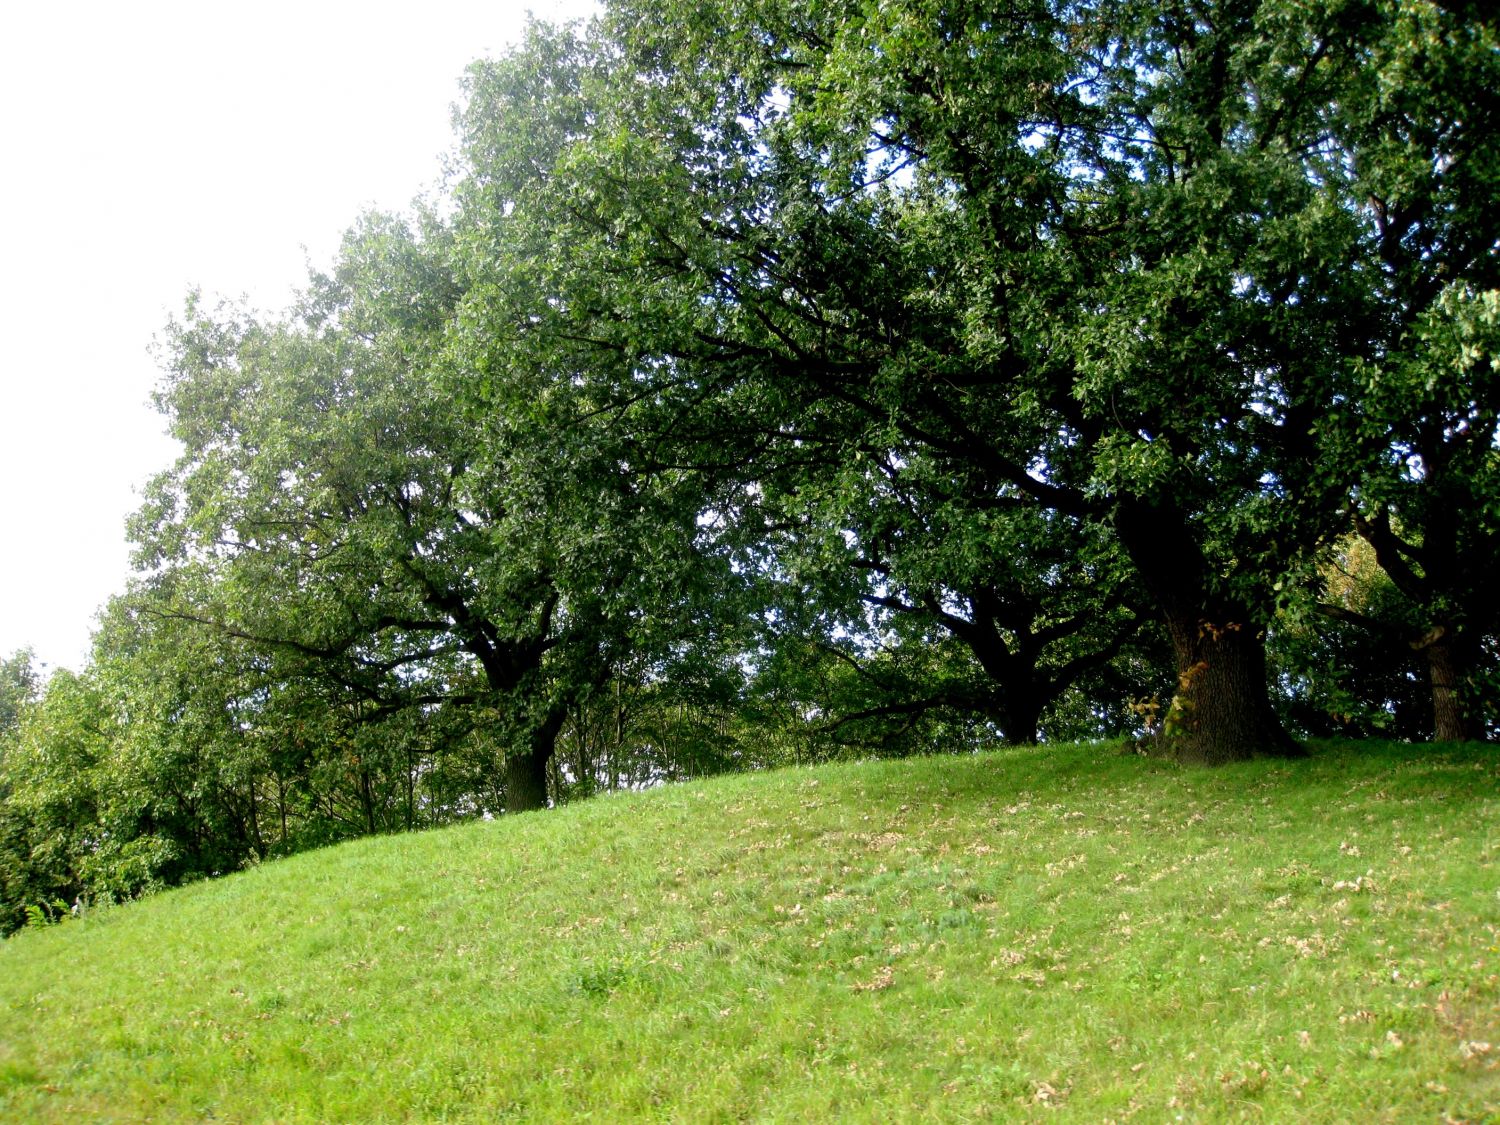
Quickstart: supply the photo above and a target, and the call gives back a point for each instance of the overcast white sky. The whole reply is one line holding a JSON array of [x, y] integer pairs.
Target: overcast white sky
[[149, 147]]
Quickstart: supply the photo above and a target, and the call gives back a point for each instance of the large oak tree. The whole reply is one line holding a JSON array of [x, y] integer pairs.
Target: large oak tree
[[424, 515], [1130, 262]]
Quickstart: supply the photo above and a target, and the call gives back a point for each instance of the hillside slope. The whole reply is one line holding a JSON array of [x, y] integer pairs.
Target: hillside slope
[[1071, 933]]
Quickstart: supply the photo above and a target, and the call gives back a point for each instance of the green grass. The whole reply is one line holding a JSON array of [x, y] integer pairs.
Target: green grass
[[1069, 934]]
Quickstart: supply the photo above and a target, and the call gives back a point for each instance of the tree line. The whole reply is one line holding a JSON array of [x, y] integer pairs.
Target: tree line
[[778, 380]]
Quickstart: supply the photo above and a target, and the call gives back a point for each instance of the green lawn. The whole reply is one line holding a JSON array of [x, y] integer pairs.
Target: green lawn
[[1060, 934]]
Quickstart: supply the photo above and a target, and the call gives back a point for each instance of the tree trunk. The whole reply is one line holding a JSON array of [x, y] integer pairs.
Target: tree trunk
[[526, 771], [1018, 720], [1016, 700], [1221, 711], [526, 781], [1445, 666]]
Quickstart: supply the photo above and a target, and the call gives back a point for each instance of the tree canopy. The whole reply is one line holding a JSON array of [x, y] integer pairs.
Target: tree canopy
[[1133, 265]]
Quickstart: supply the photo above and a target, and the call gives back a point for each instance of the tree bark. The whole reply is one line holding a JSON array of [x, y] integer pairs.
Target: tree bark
[[1018, 720], [526, 770], [1221, 711], [1450, 719], [526, 780]]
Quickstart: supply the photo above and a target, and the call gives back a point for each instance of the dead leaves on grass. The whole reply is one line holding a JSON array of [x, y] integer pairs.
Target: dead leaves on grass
[[884, 977]]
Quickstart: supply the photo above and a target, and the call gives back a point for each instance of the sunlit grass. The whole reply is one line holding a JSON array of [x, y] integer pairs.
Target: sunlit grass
[[1071, 933]]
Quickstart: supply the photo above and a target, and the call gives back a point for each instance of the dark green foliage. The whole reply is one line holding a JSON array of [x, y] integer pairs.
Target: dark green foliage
[[1425, 121]]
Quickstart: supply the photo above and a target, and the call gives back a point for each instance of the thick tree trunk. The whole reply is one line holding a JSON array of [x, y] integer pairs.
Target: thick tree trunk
[[1451, 721], [526, 781], [1221, 711], [526, 771], [1018, 721]]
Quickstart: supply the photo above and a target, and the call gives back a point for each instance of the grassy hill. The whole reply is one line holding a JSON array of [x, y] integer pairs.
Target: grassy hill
[[1069, 934]]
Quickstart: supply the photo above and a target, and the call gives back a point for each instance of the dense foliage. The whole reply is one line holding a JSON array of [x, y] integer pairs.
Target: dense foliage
[[787, 379]]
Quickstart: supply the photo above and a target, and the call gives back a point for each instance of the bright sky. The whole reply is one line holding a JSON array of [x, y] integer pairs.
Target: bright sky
[[158, 145]]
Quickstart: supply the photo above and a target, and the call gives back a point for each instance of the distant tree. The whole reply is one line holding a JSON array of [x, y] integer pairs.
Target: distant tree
[[20, 685], [235, 751], [343, 501], [1423, 129], [52, 814], [1347, 656], [657, 723]]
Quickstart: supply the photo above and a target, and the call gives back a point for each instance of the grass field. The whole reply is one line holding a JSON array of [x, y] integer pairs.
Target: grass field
[[1071, 934]]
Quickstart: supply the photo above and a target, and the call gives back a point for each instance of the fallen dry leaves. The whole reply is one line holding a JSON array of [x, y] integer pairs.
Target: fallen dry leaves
[[884, 977]]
